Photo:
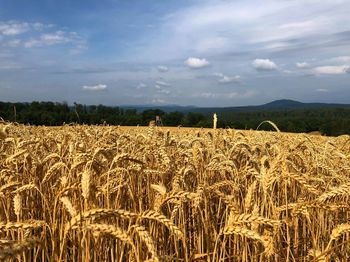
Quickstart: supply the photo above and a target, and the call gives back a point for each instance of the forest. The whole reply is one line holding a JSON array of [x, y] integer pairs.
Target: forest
[[328, 121]]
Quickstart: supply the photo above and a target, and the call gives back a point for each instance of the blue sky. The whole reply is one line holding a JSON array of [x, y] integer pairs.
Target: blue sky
[[204, 53]]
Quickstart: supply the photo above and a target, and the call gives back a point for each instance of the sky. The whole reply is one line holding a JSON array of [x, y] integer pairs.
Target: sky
[[184, 52]]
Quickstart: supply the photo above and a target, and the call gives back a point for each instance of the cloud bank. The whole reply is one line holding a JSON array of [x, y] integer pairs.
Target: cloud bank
[[12, 28], [98, 87], [331, 70]]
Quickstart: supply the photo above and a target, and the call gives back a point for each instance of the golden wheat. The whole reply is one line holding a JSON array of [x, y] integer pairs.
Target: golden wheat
[[104, 193]]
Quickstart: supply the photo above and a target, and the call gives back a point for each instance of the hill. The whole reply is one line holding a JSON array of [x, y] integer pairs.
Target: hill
[[277, 105]]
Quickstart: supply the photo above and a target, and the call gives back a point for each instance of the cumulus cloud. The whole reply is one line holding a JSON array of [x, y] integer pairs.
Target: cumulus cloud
[[162, 68], [98, 87], [264, 65], [302, 65], [196, 63], [331, 70], [224, 79]]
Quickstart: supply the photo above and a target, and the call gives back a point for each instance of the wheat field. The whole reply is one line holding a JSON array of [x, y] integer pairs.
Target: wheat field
[[104, 193]]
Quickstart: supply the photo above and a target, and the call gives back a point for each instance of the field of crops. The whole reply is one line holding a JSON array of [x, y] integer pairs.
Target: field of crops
[[101, 193]]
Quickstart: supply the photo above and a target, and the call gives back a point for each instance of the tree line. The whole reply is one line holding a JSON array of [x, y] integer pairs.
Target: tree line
[[328, 121]]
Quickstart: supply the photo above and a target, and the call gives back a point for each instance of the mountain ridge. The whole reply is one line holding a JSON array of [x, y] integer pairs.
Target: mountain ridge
[[281, 104]]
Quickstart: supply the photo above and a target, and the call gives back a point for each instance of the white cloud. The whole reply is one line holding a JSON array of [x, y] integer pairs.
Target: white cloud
[[99, 87], [294, 31], [160, 86], [34, 37], [224, 79], [162, 68], [229, 79], [302, 65], [229, 95], [141, 85], [208, 95], [331, 70], [303, 27], [59, 37], [158, 101], [196, 63], [277, 45], [12, 28], [322, 90], [264, 65], [39, 26], [220, 28], [161, 83]]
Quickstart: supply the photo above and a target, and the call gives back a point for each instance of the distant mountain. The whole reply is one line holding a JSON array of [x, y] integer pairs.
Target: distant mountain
[[291, 104], [283, 103], [277, 105]]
